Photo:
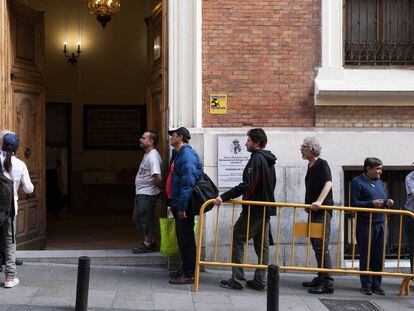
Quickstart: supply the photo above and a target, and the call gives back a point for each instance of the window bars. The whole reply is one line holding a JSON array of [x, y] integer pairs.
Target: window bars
[[379, 32]]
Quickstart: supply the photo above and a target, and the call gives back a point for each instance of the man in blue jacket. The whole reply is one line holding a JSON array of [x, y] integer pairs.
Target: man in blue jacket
[[187, 168], [367, 190]]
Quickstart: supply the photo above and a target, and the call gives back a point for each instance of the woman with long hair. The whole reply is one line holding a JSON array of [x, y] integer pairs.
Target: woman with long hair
[[16, 170]]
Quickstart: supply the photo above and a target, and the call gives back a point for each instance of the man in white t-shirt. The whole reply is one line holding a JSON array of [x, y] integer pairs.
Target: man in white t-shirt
[[148, 184]]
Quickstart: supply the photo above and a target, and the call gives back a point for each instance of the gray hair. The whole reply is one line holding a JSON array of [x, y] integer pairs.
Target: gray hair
[[314, 145]]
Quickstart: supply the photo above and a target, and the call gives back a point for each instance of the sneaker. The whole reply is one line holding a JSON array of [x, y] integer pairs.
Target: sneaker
[[144, 248], [315, 282], [366, 291], [11, 282], [231, 284], [321, 289], [378, 291], [255, 285]]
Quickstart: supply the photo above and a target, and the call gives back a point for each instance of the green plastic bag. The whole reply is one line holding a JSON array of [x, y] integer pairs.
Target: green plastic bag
[[169, 244]]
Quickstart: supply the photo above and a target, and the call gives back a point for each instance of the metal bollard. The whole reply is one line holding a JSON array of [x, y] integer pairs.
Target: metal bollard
[[82, 287], [272, 288]]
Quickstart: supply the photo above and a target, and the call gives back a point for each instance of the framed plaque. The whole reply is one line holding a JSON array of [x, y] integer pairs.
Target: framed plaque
[[113, 127], [232, 158]]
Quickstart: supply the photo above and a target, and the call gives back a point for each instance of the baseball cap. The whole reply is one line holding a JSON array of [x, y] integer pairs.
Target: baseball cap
[[182, 131], [11, 139]]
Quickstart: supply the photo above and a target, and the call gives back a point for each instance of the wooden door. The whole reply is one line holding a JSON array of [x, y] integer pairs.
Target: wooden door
[[157, 98], [157, 82], [28, 111]]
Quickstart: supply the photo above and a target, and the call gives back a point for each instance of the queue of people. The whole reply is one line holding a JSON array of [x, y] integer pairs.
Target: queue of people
[[258, 184]]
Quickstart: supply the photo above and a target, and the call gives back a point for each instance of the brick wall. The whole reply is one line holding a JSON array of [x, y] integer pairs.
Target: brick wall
[[364, 117], [263, 54]]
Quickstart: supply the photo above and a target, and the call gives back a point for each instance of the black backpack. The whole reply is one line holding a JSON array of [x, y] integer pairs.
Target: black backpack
[[204, 190], [6, 198]]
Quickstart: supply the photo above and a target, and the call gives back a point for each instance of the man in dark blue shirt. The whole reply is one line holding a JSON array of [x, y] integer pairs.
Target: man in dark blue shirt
[[367, 190]]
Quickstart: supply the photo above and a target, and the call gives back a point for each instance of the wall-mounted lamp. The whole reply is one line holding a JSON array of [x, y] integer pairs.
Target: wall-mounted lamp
[[74, 57]]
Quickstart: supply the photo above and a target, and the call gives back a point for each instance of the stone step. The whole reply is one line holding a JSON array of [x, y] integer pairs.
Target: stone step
[[113, 257]]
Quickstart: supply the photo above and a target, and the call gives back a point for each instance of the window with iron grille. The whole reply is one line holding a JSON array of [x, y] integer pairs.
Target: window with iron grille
[[379, 32]]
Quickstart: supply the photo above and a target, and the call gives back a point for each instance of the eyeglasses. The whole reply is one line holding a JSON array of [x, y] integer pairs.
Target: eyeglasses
[[303, 146]]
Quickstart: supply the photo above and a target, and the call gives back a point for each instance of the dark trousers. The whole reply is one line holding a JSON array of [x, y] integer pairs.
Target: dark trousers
[[143, 215], [409, 231], [239, 240], [186, 242], [317, 245], [375, 261]]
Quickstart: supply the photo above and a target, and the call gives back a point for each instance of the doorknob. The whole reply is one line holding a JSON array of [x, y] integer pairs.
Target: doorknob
[[27, 153]]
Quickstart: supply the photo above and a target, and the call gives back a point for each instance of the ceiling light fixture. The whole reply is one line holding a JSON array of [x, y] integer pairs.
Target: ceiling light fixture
[[104, 9]]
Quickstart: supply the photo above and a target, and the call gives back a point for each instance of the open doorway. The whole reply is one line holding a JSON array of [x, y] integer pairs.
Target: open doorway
[[97, 108]]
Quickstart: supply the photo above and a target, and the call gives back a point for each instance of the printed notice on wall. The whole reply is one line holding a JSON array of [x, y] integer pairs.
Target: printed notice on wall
[[232, 158]]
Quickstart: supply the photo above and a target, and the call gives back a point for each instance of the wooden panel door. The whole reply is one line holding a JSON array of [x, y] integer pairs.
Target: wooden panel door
[[157, 82], [28, 109], [157, 79]]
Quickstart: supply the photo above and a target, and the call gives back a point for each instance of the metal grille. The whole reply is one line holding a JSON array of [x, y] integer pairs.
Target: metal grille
[[349, 305], [379, 32]]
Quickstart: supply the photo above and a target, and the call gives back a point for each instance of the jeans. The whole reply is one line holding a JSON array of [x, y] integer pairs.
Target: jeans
[[8, 247], [239, 242], [375, 262], [143, 215], [317, 245], [184, 229]]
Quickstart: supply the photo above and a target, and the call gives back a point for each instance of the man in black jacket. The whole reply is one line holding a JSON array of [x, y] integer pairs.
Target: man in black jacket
[[259, 182]]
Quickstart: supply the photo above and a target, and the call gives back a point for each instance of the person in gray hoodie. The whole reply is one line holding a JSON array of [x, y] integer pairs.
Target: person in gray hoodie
[[409, 222], [259, 182]]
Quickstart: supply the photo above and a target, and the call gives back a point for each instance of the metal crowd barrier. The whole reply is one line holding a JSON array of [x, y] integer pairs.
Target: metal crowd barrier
[[304, 230]]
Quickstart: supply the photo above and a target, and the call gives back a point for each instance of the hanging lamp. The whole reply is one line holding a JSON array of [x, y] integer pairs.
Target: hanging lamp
[[104, 9]]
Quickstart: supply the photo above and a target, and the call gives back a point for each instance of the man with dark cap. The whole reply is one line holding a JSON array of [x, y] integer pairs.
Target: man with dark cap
[[185, 169]]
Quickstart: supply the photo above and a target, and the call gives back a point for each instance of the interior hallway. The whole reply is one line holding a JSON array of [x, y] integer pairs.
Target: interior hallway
[[93, 230]]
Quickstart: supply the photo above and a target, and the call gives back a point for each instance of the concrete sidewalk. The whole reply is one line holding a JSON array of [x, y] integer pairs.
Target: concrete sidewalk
[[53, 287]]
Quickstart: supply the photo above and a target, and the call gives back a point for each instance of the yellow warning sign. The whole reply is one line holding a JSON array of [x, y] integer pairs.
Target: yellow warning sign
[[218, 103]]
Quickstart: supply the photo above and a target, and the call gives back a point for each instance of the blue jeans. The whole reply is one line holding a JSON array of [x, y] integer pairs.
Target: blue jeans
[[375, 262]]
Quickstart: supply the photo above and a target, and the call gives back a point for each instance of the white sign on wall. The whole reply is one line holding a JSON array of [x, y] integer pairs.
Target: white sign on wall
[[232, 158]]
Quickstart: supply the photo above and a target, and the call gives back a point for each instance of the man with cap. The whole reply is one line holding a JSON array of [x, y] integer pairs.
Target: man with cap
[[185, 169]]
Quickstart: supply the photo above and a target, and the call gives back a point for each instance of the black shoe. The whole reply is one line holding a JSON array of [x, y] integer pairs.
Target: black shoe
[[230, 284], [365, 291], [255, 285], [144, 248], [176, 274], [378, 291], [315, 282], [321, 289], [182, 280]]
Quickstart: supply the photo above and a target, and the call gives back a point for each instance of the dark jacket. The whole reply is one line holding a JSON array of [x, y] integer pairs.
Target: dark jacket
[[363, 193], [187, 169], [259, 182]]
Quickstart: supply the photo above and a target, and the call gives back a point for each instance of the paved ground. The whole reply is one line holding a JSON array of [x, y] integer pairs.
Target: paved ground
[[53, 287]]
